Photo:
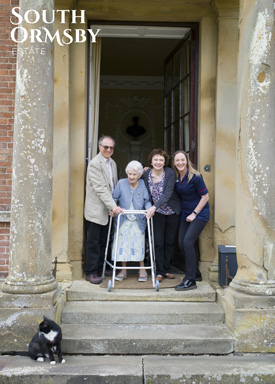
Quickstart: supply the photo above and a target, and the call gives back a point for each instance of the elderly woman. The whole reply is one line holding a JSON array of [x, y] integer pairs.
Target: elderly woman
[[131, 193]]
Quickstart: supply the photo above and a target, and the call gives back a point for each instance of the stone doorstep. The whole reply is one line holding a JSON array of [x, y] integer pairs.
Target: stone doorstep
[[82, 290], [121, 312], [147, 369], [140, 339]]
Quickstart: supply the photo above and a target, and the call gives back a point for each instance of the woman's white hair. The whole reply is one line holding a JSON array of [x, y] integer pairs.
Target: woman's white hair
[[136, 165]]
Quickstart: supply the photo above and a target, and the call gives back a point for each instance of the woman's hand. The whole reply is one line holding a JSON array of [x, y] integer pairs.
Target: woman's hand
[[150, 212], [191, 217], [198, 208]]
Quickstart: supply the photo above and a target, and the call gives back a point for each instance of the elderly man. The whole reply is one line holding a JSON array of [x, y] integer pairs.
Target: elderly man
[[100, 182]]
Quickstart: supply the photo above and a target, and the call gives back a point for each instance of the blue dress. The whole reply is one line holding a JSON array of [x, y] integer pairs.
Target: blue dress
[[131, 237], [131, 241]]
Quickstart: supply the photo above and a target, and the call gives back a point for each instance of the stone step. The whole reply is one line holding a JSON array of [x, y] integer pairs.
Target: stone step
[[248, 369], [142, 339], [81, 290], [121, 312]]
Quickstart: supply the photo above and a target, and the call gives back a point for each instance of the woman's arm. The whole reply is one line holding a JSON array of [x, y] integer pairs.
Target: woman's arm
[[116, 193], [204, 199], [146, 199], [116, 197]]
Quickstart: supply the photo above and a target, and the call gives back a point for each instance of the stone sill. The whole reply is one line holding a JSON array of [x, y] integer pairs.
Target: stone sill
[[5, 216]]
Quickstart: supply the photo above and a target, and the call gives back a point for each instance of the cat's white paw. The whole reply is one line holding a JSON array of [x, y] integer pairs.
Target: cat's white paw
[[63, 361], [52, 362], [40, 359]]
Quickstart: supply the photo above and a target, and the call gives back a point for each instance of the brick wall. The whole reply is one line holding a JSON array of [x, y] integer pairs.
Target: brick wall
[[7, 94]]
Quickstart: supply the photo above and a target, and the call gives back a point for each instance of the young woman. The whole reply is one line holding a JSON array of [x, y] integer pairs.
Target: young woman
[[132, 194], [195, 214], [160, 182]]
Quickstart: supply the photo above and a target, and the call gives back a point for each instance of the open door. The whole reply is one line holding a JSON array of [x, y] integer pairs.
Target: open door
[[180, 97]]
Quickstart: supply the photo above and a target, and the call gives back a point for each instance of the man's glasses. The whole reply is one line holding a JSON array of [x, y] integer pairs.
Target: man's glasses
[[106, 147]]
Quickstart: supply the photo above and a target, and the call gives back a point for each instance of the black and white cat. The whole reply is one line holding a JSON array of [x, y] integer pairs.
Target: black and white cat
[[46, 342]]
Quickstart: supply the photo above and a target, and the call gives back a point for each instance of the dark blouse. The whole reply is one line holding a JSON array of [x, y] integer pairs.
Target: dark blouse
[[190, 194]]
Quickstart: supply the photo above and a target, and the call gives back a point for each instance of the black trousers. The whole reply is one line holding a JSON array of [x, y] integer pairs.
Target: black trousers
[[165, 231], [188, 235], [95, 247]]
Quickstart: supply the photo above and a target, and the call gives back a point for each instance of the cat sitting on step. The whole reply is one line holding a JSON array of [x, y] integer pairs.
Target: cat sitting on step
[[46, 342]]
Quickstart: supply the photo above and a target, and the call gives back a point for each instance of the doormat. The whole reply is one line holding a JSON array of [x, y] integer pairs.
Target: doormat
[[131, 282]]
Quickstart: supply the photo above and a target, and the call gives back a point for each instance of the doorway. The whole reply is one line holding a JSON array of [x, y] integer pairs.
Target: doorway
[[137, 105], [146, 94]]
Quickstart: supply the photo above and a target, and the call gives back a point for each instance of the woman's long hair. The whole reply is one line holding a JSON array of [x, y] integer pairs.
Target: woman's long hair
[[190, 167]]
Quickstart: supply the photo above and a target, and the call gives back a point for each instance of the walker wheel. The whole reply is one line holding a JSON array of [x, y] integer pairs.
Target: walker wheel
[[157, 285], [109, 285]]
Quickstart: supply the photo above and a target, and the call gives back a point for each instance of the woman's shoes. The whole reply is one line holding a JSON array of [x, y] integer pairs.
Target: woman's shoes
[[169, 276], [186, 285], [143, 276], [121, 276], [159, 278]]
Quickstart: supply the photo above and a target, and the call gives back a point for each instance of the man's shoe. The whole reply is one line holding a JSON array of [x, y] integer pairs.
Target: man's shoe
[[186, 285], [94, 279], [169, 276]]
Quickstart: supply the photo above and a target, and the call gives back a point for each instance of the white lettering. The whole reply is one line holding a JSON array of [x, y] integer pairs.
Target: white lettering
[[80, 33], [35, 35], [82, 16], [63, 14], [44, 17], [20, 18], [93, 34], [51, 38], [66, 34], [29, 20], [23, 31]]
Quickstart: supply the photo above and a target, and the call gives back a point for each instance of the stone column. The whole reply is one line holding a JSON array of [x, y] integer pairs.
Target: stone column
[[77, 107], [31, 210], [208, 61], [250, 299]]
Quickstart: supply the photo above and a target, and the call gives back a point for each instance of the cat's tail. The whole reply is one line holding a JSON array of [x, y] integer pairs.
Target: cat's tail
[[13, 353]]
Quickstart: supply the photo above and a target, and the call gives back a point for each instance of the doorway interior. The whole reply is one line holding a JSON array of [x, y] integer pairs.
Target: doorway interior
[[147, 90]]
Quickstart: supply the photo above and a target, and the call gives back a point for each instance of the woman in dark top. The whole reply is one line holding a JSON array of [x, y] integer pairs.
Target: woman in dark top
[[160, 182], [194, 214]]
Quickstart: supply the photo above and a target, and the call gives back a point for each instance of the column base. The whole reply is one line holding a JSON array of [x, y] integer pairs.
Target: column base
[[20, 316], [28, 287], [250, 318]]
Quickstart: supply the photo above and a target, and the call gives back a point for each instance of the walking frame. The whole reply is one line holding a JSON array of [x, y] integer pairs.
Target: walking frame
[[111, 283]]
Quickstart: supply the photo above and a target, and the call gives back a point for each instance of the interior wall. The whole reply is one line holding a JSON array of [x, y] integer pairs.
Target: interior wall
[[132, 71], [117, 109]]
